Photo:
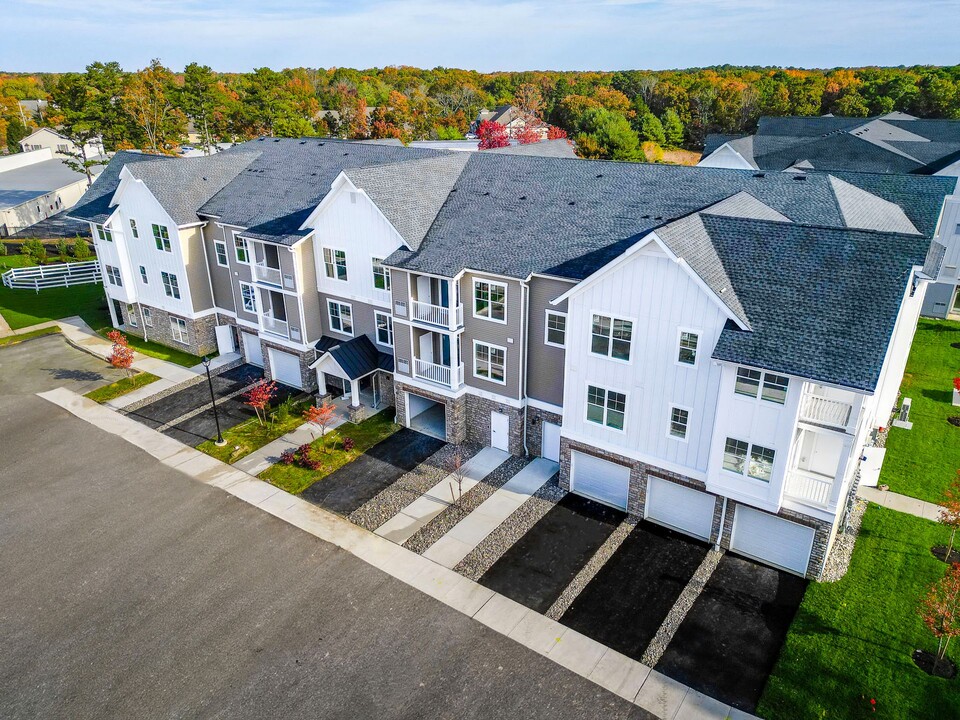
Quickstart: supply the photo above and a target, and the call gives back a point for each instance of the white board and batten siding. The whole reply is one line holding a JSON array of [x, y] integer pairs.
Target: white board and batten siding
[[771, 539], [660, 298]]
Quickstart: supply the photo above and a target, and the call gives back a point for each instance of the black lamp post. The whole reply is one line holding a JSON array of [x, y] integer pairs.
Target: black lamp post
[[216, 417]]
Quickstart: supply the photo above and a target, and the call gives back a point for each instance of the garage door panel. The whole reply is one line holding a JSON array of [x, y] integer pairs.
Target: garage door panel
[[772, 539], [285, 368], [600, 480], [680, 507]]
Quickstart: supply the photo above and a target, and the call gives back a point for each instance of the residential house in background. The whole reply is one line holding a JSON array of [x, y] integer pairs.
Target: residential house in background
[[46, 138], [709, 349], [895, 143], [513, 119]]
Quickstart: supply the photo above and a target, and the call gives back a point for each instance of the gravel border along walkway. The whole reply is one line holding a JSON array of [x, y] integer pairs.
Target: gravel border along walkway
[[592, 567], [445, 521], [133, 407], [410, 486], [484, 555], [838, 561]]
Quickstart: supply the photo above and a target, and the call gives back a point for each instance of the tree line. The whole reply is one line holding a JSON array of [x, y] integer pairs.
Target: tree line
[[625, 115]]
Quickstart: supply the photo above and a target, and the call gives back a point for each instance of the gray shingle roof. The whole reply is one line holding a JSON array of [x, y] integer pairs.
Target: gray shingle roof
[[544, 148], [357, 357], [94, 206]]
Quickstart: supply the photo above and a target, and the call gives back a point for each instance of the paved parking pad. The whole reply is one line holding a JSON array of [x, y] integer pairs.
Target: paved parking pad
[[731, 637], [628, 599], [537, 568], [355, 484]]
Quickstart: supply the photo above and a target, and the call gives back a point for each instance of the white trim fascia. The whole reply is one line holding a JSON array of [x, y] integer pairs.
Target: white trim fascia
[[548, 407], [284, 342], [596, 275], [634, 455], [473, 300]]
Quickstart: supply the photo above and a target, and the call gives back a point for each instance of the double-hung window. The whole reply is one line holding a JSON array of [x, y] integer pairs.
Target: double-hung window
[[768, 386], [335, 264], [679, 420], [687, 352], [241, 249], [384, 328], [131, 315], [341, 317], [143, 275], [221, 250], [753, 460], [113, 275], [381, 275], [249, 296], [161, 236], [489, 362], [133, 228], [171, 287], [104, 233], [611, 336], [555, 333], [606, 407], [490, 300], [178, 329], [147, 316]]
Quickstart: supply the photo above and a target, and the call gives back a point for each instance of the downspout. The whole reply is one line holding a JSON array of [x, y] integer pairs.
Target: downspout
[[524, 299], [143, 323]]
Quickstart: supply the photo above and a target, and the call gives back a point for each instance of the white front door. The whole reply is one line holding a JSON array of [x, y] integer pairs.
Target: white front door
[[600, 479], [423, 289], [225, 341], [680, 507], [550, 443], [772, 539], [426, 347], [285, 368], [252, 349], [500, 431]]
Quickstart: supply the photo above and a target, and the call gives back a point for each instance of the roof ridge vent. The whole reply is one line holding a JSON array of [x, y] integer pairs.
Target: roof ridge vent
[[759, 175], [799, 177]]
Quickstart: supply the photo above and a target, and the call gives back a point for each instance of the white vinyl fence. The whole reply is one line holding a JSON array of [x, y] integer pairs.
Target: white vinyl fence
[[39, 277]]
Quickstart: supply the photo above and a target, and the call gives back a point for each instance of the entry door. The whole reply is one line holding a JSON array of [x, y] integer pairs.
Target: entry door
[[225, 339], [426, 347], [550, 444], [500, 431], [252, 349], [423, 289]]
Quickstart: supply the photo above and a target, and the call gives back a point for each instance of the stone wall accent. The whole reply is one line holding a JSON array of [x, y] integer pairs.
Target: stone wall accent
[[454, 409], [384, 381], [535, 419], [478, 422], [200, 332], [308, 377]]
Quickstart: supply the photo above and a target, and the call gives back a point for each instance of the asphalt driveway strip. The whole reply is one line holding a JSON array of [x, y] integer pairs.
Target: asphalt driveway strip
[[730, 639], [628, 599], [535, 570], [358, 482]]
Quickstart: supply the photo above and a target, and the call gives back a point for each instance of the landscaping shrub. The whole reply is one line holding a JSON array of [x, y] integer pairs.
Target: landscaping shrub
[[3, 249], [34, 250], [348, 444], [288, 457], [63, 250], [81, 249]]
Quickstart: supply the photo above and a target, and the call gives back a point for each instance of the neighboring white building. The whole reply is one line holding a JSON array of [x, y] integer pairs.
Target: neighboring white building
[[45, 138]]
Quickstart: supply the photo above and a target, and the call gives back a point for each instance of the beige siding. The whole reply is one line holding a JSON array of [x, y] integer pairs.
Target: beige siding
[[545, 362], [399, 287], [312, 312], [363, 321], [401, 346], [220, 276], [506, 335], [197, 271]]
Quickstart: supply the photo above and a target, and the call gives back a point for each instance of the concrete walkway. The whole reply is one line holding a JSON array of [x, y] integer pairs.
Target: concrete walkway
[[404, 525], [901, 503], [474, 528]]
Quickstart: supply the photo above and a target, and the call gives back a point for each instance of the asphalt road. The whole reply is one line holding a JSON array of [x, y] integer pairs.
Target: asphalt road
[[130, 590]]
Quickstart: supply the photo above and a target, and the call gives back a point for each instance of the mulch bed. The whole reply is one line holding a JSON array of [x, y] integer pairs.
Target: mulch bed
[[940, 553], [925, 661], [954, 420]]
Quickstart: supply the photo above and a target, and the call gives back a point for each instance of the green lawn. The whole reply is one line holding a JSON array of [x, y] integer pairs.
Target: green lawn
[[22, 308], [156, 350], [14, 261], [14, 339], [365, 435], [920, 462], [246, 437], [121, 387], [852, 640]]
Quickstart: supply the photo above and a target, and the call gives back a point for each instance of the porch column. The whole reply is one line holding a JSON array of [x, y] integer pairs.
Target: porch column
[[321, 383], [354, 393]]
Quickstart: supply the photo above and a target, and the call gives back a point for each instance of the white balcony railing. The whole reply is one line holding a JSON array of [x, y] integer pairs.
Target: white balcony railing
[[442, 374], [267, 274], [436, 314], [809, 487], [824, 411], [270, 324]]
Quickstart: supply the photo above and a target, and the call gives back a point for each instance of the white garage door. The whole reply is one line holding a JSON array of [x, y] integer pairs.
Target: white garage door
[[680, 507], [600, 479], [550, 443], [252, 349], [285, 368], [772, 539]]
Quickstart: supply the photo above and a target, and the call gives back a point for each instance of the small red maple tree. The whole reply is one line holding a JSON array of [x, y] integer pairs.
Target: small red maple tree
[[321, 416], [956, 384], [940, 611], [492, 135], [528, 136], [950, 514], [259, 396], [555, 133], [121, 355]]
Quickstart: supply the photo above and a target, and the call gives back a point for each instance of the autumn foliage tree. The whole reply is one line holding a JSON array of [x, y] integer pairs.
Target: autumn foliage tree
[[259, 396], [121, 355], [320, 416], [528, 136], [556, 133], [950, 514], [492, 135], [940, 610]]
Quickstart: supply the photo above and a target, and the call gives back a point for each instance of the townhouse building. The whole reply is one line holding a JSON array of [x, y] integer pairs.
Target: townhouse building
[[710, 349]]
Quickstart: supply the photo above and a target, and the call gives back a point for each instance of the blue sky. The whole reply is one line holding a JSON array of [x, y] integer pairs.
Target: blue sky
[[237, 35]]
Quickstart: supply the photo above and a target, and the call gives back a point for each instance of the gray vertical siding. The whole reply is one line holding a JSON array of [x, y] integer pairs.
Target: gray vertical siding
[[221, 277], [312, 313], [545, 363], [505, 335]]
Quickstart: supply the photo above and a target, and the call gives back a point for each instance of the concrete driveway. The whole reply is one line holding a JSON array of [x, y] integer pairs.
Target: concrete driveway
[[130, 590], [49, 362]]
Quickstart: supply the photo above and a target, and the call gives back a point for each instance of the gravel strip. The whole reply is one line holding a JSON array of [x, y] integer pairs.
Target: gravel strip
[[484, 555], [133, 407], [681, 607], [203, 408], [444, 522], [838, 561], [592, 567], [409, 487]]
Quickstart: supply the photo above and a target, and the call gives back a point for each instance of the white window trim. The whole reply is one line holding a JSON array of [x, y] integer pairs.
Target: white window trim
[[586, 408], [745, 475], [373, 275], [333, 251], [489, 346], [763, 376], [353, 319], [376, 315], [147, 317], [246, 247], [546, 328], [172, 282], [144, 278], [670, 408], [609, 356], [164, 242], [134, 230], [696, 358], [473, 300], [216, 254], [185, 331], [256, 308]]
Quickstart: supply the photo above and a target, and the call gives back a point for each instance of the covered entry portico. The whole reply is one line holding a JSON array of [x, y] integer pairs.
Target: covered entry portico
[[352, 367]]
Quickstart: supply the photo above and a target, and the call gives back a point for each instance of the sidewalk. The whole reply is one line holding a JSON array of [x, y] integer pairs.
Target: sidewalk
[[259, 460], [901, 503]]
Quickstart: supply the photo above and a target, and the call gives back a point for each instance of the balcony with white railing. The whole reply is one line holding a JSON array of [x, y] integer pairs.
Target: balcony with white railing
[[264, 273], [437, 315], [270, 324], [451, 377], [826, 412], [809, 487]]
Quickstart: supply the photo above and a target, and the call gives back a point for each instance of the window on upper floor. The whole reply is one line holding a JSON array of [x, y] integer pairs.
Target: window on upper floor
[[161, 236], [341, 317], [612, 337], [241, 249], [606, 407], [748, 382], [384, 328], [490, 300], [335, 264], [133, 228], [753, 460], [143, 275], [171, 287], [687, 352], [104, 233], [61, 148], [489, 362], [555, 332], [775, 388], [178, 329], [220, 248], [381, 275], [113, 275], [249, 297], [768, 386], [679, 419]]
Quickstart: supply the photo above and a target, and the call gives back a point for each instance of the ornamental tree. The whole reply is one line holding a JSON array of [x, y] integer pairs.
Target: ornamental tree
[[259, 396], [322, 417], [528, 136], [492, 135], [956, 384], [940, 610], [950, 514], [121, 356], [556, 133]]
